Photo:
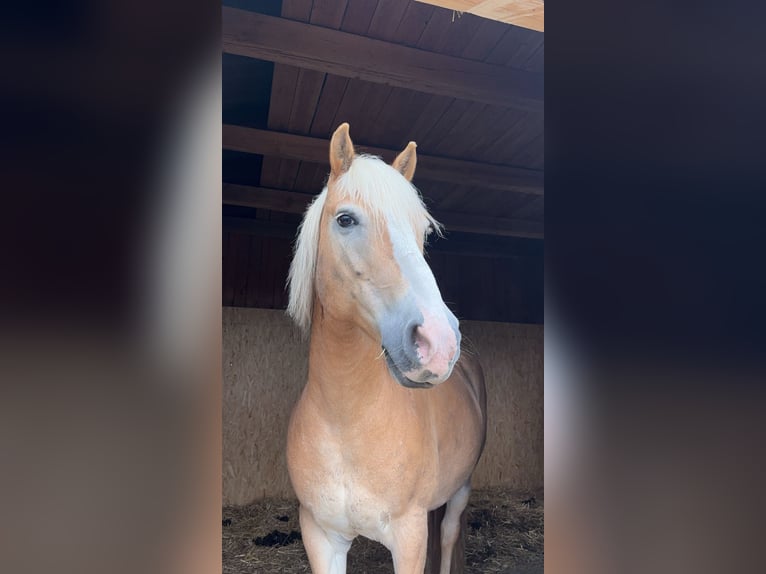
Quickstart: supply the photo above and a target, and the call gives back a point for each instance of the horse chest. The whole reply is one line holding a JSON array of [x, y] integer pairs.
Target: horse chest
[[349, 509], [356, 495]]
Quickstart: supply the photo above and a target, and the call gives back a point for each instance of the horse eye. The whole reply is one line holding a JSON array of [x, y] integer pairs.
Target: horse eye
[[345, 220]]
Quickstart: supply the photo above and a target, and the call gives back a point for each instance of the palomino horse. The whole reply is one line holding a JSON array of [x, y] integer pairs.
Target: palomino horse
[[390, 424]]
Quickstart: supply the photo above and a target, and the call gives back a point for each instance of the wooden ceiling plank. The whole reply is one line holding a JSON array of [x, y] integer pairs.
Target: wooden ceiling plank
[[304, 148], [288, 170], [328, 12], [495, 123], [284, 80], [336, 52], [442, 127], [435, 108], [270, 168], [393, 127], [535, 60], [517, 139], [297, 9], [402, 106], [307, 91], [507, 143], [374, 106], [511, 41], [292, 202], [484, 40], [386, 18], [456, 35], [358, 16], [351, 106], [295, 92], [437, 31], [528, 49], [433, 31], [283, 83], [413, 23], [324, 116], [462, 130], [310, 176]]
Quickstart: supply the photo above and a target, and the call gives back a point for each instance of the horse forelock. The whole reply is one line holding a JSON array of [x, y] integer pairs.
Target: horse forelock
[[387, 195], [389, 198]]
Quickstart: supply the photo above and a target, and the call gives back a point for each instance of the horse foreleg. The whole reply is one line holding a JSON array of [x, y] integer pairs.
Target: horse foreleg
[[410, 538], [451, 526], [326, 551]]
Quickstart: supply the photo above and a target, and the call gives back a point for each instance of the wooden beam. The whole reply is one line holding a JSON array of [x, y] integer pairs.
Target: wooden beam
[[525, 13], [261, 227], [351, 56], [265, 198], [294, 202], [471, 223], [430, 168]]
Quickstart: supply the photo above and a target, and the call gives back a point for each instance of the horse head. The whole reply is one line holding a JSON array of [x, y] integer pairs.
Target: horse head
[[360, 258]]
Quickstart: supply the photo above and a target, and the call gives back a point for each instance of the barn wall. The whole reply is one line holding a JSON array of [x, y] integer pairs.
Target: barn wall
[[264, 369]]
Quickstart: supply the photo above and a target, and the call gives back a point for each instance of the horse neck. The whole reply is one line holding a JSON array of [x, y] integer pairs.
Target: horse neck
[[346, 369]]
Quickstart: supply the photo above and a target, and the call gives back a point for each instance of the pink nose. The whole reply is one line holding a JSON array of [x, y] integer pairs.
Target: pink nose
[[436, 345]]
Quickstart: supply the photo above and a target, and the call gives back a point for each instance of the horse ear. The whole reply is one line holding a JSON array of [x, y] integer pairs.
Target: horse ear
[[341, 151], [406, 161]]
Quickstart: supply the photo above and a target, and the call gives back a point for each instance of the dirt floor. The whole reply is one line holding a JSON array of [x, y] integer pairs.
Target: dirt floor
[[504, 535]]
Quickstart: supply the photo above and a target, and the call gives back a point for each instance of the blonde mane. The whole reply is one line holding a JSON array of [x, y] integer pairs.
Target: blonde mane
[[375, 184]]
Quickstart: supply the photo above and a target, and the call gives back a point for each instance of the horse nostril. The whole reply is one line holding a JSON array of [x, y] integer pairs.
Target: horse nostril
[[412, 341], [422, 345], [411, 333]]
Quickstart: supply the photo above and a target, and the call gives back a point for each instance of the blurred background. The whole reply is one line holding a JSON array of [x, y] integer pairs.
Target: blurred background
[[110, 264], [110, 315]]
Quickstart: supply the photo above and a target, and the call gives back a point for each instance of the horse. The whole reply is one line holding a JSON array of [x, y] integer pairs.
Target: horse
[[392, 420]]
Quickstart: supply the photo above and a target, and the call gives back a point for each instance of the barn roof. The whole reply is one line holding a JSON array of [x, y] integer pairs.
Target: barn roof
[[467, 89]]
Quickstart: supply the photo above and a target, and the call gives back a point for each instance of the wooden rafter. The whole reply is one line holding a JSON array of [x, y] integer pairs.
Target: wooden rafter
[[351, 56], [293, 202], [430, 168]]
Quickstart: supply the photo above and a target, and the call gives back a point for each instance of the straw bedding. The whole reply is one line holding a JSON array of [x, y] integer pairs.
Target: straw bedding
[[504, 535]]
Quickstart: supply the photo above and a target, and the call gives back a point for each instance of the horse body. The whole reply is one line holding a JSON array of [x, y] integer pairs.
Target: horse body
[[375, 443]]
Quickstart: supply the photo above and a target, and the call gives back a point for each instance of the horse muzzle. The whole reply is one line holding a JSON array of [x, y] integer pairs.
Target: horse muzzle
[[425, 350]]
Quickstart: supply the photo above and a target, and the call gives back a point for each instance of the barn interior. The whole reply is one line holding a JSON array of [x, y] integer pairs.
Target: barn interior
[[468, 89]]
